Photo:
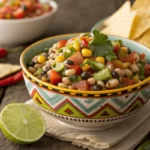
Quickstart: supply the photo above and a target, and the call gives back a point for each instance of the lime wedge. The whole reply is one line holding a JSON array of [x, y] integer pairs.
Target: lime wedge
[[21, 123]]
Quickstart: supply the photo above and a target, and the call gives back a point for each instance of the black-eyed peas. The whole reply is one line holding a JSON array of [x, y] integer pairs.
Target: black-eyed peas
[[48, 63], [63, 85], [91, 81], [134, 68], [70, 72], [126, 65], [101, 83], [74, 64], [120, 72], [112, 83], [38, 66], [31, 69], [115, 74], [97, 87], [66, 80], [128, 73]]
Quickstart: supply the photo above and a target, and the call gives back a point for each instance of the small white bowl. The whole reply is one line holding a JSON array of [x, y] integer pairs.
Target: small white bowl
[[16, 32]]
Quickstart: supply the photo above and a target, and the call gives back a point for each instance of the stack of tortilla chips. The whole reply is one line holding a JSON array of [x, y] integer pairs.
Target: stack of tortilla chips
[[131, 22]]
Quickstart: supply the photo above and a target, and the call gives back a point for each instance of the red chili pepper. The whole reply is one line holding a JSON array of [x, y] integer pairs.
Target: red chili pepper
[[11, 79], [3, 52]]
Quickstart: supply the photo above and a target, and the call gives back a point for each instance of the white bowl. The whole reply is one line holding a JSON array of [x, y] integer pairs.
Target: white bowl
[[16, 32]]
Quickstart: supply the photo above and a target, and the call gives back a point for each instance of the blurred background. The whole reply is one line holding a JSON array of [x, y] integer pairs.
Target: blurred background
[[80, 16]]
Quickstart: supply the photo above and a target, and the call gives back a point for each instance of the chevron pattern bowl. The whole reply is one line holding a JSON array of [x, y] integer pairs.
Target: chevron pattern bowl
[[85, 110]]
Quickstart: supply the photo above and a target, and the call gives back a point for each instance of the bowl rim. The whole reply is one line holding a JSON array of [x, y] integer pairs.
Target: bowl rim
[[111, 91], [14, 21]]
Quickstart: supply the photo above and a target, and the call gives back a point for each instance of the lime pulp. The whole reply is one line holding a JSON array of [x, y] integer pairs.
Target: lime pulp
[[21, 123]]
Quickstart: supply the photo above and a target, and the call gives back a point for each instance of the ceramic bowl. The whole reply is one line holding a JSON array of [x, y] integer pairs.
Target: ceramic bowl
[[16, 32], [85, 110]]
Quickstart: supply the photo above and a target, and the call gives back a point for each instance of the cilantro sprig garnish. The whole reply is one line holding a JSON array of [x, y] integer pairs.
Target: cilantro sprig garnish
[[100, 44]]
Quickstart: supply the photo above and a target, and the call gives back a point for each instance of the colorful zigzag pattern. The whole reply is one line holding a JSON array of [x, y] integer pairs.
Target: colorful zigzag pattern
[[87, 108]]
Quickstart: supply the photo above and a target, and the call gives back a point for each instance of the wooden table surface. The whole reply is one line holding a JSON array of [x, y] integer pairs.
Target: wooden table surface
[[72, 16]]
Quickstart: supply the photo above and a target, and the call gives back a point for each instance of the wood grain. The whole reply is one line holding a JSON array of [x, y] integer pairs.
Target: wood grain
[[72, 16]]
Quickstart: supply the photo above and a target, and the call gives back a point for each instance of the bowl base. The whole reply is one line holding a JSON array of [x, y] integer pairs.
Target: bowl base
[[85, 128]]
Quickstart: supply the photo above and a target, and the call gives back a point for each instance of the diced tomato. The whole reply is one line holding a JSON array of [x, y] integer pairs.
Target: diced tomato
[[147, 70], [55, 77], [84, 42], [81, 85], [77, 68], [130, 58], [116, 49], [61, 44], [127, 81], [19, 13], [117, 64], [77, 58], [142, 56]]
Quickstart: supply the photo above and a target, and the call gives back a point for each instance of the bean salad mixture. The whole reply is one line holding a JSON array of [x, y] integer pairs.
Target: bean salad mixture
[[18, 9], [90, 62]]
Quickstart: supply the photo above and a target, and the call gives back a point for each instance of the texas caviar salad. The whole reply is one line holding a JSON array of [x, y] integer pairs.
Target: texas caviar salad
[[17, 9], [90, 62]]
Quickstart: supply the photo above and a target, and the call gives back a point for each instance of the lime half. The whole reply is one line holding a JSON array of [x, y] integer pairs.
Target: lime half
[[21, 123]]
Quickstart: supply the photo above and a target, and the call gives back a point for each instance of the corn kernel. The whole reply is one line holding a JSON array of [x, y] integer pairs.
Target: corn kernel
[[124, 49], [86, 52], [85, 67], [59, 58], [100, 60], [76, 45], [41, 59]]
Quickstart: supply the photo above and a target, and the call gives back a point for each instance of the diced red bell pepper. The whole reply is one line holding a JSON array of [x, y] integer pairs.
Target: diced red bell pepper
[[84, 42], [127, 81], [61, 44], [55, 77], [130, 58], [81, 85], [77, 58]]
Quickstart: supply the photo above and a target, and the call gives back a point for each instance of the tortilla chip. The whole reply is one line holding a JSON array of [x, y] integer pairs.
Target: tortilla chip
[[7, 69], [120, 13], [140, 3], [145, 39], [121, 28], [142, 24]]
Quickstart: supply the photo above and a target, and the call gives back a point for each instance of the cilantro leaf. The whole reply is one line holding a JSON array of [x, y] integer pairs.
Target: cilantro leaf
[[100, 44], [110, 55]]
